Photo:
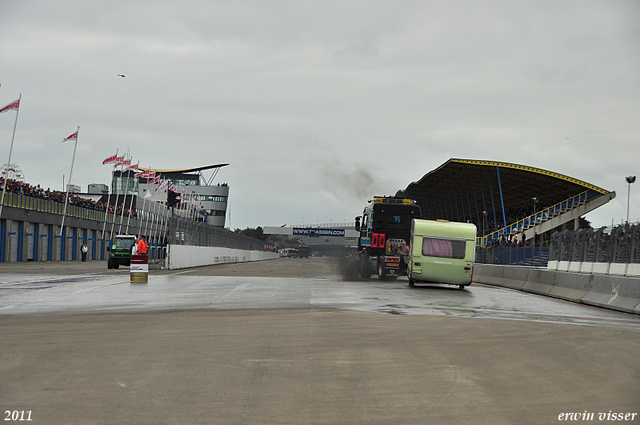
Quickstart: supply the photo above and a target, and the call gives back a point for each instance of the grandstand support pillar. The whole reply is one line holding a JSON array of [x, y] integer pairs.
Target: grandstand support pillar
[[576, 223], [504, 216]]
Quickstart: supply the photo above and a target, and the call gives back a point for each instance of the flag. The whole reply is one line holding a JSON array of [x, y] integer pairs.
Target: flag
[[13, 105], [164, 184], [145, 174], [155, 180], [133, 167], [110, 160], [74, 136]]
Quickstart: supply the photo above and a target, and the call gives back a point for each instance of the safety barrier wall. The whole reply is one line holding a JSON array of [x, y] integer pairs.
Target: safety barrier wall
[[184, 256], [612, 292], [612, 269]]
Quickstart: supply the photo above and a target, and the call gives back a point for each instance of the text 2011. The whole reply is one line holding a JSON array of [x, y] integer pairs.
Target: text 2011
[[17, 415]]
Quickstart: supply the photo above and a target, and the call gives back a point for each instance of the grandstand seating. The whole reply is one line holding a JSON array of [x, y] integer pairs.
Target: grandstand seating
[[549, 218]]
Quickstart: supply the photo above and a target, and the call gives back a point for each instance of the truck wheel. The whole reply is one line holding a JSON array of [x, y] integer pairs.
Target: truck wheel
[[109, 264], [382, 273], [411, 283], [116, 265], [363, 266]]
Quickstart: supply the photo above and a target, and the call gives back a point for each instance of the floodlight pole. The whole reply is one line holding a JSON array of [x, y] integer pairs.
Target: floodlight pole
[[630, 179]]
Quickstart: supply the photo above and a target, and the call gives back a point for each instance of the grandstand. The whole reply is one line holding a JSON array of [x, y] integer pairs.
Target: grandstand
[[506, 201]]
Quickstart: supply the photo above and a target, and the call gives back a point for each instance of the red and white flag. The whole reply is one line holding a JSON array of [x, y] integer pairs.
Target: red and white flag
[[155, 180], [164, 184], [120, 161], [133, 167], [146, 174], [73, 136], [110, 160], [13, 105]]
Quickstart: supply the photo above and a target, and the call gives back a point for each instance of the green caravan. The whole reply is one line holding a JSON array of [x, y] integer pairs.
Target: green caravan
[[441, 252]]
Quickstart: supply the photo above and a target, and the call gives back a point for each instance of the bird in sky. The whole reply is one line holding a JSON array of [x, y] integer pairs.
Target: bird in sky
[[121, 75]]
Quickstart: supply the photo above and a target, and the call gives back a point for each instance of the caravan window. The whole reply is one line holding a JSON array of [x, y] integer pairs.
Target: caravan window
[[444, 248]]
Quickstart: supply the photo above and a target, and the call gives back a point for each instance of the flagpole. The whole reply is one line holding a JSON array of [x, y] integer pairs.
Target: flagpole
[[132, 195], [155, 222], [159, 219], [4, 185], [66, 199], [115, 207], [144, 212], [106, 208], [126, 190], [144, 203]]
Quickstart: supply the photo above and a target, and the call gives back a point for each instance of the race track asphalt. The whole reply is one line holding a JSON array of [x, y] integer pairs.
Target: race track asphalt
[[309, 365]]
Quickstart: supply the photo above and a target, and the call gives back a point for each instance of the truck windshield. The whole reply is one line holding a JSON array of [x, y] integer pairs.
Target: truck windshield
[[124, 243]]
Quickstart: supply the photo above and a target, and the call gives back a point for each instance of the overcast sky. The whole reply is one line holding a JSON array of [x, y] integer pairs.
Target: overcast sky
[[319, 105]]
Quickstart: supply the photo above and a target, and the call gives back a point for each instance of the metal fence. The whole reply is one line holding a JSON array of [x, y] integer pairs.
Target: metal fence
[[535, 256], [605, 245], [185, 231]]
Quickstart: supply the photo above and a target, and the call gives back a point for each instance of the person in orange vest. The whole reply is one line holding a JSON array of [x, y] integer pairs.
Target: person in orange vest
[[142, 246]]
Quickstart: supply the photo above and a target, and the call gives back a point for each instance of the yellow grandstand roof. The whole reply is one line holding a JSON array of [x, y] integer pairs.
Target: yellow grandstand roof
[[187, 170], [464, 187]]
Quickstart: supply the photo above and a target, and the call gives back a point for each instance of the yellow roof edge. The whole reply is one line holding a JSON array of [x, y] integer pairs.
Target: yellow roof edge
[[185, 170], [532, 170]]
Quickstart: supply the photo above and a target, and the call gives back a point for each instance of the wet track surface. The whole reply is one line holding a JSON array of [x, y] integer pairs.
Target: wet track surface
[[295, 341], [112, 292]]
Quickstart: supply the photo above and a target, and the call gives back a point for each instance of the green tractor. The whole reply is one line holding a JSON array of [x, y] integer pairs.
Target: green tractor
[[120, 251]]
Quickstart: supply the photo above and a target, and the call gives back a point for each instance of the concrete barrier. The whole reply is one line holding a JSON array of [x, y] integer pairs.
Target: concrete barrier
[[491, 275], [539, 281], [600, 268], [574, 267], [183, 256], [515, 277], [612, 292], [586, 268], [633, 270], [618, 269], [618, 293], [570, 286], [614, 269]]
